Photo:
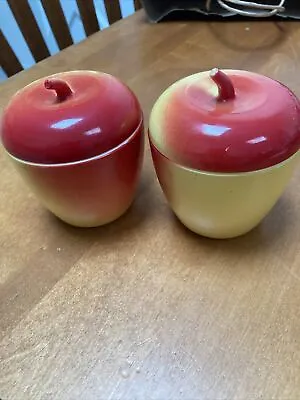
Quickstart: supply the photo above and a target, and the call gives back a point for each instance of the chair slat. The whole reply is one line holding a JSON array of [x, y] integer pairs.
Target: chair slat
[[88, 16], [137, 4], [58, 23], [113, 10], [29, 28], [8, 60]]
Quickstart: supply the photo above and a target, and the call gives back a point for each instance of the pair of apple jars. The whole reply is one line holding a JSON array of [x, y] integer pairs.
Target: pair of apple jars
[[224, 146]]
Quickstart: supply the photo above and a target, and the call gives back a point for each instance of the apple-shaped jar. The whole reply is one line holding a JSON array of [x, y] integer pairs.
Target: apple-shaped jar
[[224, 146], [77, 138]]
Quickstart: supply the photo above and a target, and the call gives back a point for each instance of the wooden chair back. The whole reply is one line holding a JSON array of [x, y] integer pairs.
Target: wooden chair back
[[32, 35]]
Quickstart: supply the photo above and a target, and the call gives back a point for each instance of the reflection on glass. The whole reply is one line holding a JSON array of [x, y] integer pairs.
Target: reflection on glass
[[66, 123], [93, 131], [214, 130], [259, 139]]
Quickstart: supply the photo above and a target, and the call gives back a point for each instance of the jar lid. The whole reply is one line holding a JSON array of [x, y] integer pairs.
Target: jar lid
[[68, 117], [226, 121]]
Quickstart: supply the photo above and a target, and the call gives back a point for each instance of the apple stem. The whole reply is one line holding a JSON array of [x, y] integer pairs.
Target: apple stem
[[62, 89], [225, 86]]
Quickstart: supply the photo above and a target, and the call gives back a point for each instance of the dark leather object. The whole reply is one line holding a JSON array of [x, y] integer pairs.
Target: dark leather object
[[158, 10]]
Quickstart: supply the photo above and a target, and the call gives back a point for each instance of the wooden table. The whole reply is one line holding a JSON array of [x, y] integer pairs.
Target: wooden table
[[143, 309]]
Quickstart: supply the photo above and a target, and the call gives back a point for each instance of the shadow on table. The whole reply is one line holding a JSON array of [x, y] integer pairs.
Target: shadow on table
[[248, 37], [230, 35]]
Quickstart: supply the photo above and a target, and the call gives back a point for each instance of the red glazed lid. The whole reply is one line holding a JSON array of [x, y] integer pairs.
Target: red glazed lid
[[231, 121], [68, 117]]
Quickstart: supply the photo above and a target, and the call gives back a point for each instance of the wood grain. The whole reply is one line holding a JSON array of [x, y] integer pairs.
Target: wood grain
[[142, 308], [88, 16], [29, 28], [58, 23]]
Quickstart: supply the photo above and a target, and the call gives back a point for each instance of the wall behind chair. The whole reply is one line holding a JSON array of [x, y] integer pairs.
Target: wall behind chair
[[16, 40]]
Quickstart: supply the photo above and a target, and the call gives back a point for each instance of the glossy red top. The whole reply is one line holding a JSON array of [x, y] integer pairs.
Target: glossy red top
[[256, 126], [45, 126]]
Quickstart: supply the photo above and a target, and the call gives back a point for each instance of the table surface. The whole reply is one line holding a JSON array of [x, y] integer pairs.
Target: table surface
[[142, 308]]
